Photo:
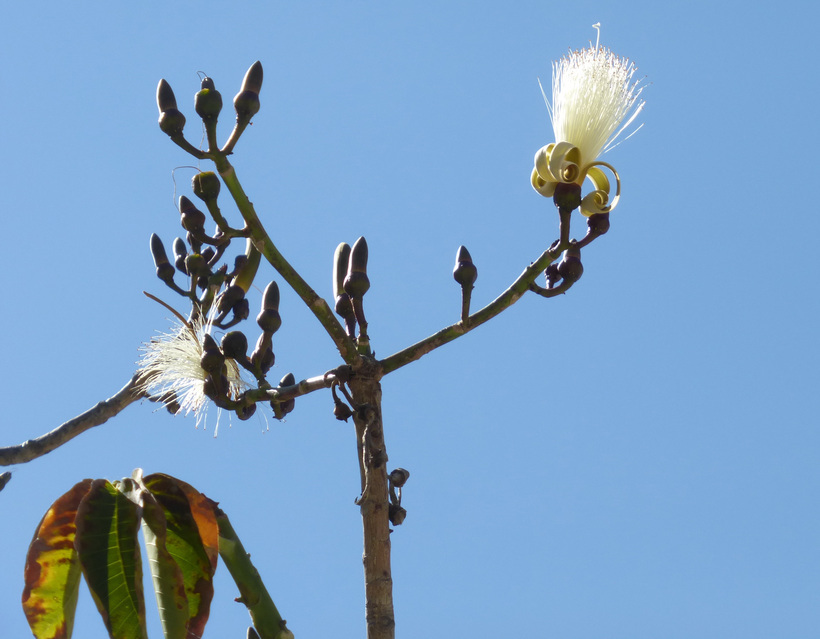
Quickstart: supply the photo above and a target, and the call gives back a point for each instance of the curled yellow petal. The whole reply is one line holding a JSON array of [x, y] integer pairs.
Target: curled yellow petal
[[598, 201], [564, 160], [541, 185]]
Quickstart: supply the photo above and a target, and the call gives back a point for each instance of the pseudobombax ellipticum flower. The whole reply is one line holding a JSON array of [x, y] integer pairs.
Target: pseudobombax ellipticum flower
[[593, 93], [171, 369]]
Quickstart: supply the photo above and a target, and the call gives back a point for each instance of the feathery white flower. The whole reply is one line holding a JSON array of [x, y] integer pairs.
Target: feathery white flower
[[170, 367], [594, 100]]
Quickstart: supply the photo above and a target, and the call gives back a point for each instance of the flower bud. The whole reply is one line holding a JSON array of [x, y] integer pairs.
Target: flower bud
[[570, 267], [206, 185], [230, 296], [356, 283], [262, 355], [598, 223], [465, 272], [269, 319], [212, 359], [208, 101], [340, 261], [171, 120], [245, 412], [280, 409], [195, 265], [246, 103], [235, 345], [399, 476], [396, 514], [192, 219], [342, 411], [241, 310], [180, 253], [165, 271]]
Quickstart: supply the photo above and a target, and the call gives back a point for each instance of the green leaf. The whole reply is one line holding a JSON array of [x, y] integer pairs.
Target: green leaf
[[52, 572], [106, 540], [191, 537]]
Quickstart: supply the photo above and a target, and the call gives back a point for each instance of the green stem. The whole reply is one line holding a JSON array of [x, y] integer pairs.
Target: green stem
[[501, 303], [266, 618], [316, 304]]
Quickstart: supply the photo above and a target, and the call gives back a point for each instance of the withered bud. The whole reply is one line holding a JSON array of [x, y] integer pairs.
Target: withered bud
[[246, 102], [465, 272], [598, 223], [235, 345], [165, 271], [399, 477], [192, 219], [342, 411], [396, 514], [242, 309], [356, 282], [229, 298], [208, 101], [171, 120], [570, 267], [206, 185], [212, 359], [567, 197], [180, 253], [245, 412], [280, 409]]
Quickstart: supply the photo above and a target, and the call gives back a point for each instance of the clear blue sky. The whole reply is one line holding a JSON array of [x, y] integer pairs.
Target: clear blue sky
[[637, 459]]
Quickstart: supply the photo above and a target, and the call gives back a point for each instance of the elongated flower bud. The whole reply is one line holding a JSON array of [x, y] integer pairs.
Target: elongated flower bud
[[356, 283], [171, 120], [192, 220], [269, 319], [180, 253], [246, 101], [465, 272], [165, 271]]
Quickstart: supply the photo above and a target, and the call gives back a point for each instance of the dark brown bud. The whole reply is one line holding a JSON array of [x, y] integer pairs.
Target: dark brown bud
[[570, 267], [356, 283], [465, 272], [246, 101], [241, 310], [208, 101], [262, 355], [598, 223], [341, 258], [212, 359], [192, 219], [180, 253], [245, 412], [342, 411], [235, 345], [229, 298], [171, 120], [399, 477], [206, 185], [396, 514], [165, 271]]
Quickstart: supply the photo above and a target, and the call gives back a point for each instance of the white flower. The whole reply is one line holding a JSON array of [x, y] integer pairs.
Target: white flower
[[171, 370], [593, 93]]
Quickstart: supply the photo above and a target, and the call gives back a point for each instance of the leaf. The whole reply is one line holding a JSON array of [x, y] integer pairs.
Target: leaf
[[52, 572], [107, 525], [192, 539], [169, 583]]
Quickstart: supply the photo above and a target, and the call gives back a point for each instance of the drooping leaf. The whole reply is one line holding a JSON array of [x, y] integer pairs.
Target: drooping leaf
[[169, 583], [191, 539], [52, 573], [106, 541]]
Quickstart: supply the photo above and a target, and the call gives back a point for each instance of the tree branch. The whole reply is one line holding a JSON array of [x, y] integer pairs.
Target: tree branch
[[101, 413]]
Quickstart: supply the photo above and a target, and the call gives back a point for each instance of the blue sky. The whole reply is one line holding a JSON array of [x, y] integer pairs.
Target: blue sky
[[635, 459]]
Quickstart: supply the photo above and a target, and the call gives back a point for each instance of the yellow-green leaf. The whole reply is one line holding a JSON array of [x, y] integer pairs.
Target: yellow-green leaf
[[106, 541], [52, 572], [191, 539]]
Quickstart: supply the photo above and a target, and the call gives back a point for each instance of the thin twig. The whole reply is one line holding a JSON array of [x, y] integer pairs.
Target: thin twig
[[100, 414]]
